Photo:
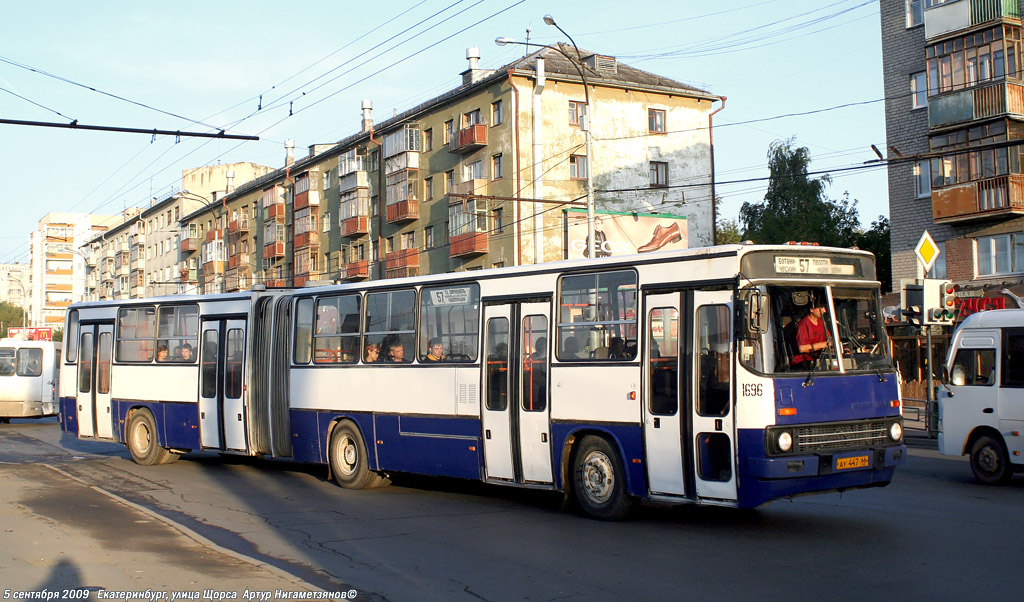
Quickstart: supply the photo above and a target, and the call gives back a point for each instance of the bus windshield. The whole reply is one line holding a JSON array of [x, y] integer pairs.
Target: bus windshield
[[821, 329]]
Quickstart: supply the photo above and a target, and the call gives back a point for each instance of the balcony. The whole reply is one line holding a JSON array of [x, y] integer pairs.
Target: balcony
[[403, 211], [468, 139], [189, 245], [965, 106], [354, 226], [275, 283], [273, 250], [465, 245], [187, 275], [310, 198], [357, 270], [275, 211], [138, 264], [215, 234], [356, 179], [1002, 196], [307, 239], [954, 16], [401, 261], [239, 261], [476, 187], [239, 225]]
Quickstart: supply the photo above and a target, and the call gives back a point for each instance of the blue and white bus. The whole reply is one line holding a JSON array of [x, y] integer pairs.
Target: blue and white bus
[[661, 376]]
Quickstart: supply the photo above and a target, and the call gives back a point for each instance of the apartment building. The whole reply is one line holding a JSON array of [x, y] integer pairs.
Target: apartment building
[[491, 173], [954, 122], [14, 283], [58, 269]]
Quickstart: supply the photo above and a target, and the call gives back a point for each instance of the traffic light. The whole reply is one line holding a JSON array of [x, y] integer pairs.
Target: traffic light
[[946, 311], [912, 307]]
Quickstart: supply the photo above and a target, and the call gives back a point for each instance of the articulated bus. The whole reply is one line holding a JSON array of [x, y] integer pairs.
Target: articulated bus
[[663, 376]]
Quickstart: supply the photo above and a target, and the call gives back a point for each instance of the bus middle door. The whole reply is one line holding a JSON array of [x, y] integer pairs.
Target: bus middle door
[[94, 411], [221, 406]]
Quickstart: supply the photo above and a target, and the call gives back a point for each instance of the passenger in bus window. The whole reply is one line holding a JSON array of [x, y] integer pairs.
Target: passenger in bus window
[[616, 348], [570, 348], [185, 353], [372, 353], [436, 351], [161, 353], [396, 352]]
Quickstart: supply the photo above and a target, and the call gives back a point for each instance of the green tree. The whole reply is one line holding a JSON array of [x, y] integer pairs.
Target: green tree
[[10, 315], [729, 232], [876, 240], [795, 207]]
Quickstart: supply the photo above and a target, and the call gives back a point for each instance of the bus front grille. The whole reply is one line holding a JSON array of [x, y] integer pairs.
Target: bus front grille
[[840, 436]]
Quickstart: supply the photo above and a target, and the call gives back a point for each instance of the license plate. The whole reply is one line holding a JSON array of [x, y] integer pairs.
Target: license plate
[[854, 462]]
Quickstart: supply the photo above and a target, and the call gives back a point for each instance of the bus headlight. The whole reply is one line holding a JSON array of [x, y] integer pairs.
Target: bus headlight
[[895, 431], [785, 441]]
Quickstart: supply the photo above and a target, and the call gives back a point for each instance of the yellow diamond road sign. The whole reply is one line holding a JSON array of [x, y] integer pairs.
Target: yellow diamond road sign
[[927, 251]]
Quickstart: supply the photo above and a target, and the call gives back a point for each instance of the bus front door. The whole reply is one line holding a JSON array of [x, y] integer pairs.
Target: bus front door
[[94, 412], [515, 413], [664, 423], [712, 391], [221, 406]]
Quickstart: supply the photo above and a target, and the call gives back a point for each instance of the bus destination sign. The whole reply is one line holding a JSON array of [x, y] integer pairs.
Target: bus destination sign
[[785, 264]]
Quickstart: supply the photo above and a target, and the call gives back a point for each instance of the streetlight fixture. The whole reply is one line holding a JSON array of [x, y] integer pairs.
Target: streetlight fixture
[[584, 122]]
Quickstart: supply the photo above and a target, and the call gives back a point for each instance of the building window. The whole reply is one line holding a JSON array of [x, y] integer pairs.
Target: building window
[[496, 113], [922, 179], [449, 181], [576, 112], [656, 121], [1000, 254], [659, 174], [497, 171], [475, 170], [409, 240], [428, 237], [577, 167], [428, 184], [939, 267], [390, 246], [325, 223], [449, 130], [918, 90], [498, 220], [471, 118], [428, 139], [915, 13], [327, 179], [973, 59]]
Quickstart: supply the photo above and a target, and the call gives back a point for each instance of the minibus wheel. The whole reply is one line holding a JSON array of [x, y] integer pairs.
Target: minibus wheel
[[989, 461], [599, 480], [142, 441]]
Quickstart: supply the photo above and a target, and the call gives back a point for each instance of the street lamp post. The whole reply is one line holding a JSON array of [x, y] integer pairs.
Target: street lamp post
[[584, 122], [24, 305]]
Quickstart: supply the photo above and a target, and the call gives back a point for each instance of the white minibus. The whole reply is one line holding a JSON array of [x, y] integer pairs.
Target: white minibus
[[28, 379]]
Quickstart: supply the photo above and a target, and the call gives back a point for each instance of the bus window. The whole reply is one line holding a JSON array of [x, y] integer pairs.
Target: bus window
[[497, 364], [178, 327], [451, 315], [7, 361], [233, 364], [30, 362], [135, 328], [71, 337], [713, 362], [663, 363], [103, 364], [303, 331], [1013, 358], [535, 363], [208, 367], [85, 364], [336, 336], [974, 367], [391, 323], [598, 312]]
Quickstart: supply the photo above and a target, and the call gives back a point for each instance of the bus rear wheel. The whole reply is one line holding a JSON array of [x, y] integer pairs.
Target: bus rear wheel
[[347, 456], [599, 480], [142, 440], [989, 461]]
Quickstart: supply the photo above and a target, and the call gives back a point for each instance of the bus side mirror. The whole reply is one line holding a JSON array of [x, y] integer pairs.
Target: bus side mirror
[[756, 317]]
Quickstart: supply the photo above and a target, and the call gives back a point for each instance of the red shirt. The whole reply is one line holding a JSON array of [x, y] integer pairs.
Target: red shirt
[[809, 333]]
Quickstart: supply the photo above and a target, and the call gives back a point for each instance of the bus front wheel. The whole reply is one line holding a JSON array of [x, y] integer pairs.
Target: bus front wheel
[[142, 440], [348, 459], [599, 480], [989, 461]]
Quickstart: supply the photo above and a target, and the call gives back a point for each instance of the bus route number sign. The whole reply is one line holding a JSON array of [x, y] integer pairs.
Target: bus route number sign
[[450, 296], [810, 265]]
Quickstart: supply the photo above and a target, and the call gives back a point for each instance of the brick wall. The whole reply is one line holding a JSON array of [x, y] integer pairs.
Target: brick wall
[[960, 259]]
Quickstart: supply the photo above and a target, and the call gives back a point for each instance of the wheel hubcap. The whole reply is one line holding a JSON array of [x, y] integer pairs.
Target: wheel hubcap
[[988, 460], [142, 438], [348, 455], [598, 477]]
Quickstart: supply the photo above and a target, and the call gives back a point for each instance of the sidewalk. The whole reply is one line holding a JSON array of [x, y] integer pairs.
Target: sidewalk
[[57, 533]]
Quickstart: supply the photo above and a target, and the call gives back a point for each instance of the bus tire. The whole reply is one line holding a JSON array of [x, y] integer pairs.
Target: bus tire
[[989, 461], [141, 439], [599, 480], [347, 456]]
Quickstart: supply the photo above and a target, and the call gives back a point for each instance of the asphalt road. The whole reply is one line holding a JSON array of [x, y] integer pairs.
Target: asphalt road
[[225, 523]]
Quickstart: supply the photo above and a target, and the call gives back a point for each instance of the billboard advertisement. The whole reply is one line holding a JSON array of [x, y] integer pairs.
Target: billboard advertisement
[[617, 233], [31, 333]]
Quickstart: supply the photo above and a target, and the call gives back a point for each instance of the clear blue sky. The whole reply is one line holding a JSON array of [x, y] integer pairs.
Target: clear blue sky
[[209, 62]]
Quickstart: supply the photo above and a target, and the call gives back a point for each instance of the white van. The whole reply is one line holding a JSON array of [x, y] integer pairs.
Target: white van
[[28, 379], [981, 404]]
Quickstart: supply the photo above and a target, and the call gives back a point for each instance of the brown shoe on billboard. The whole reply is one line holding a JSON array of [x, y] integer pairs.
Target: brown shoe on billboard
[[662, 236]]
